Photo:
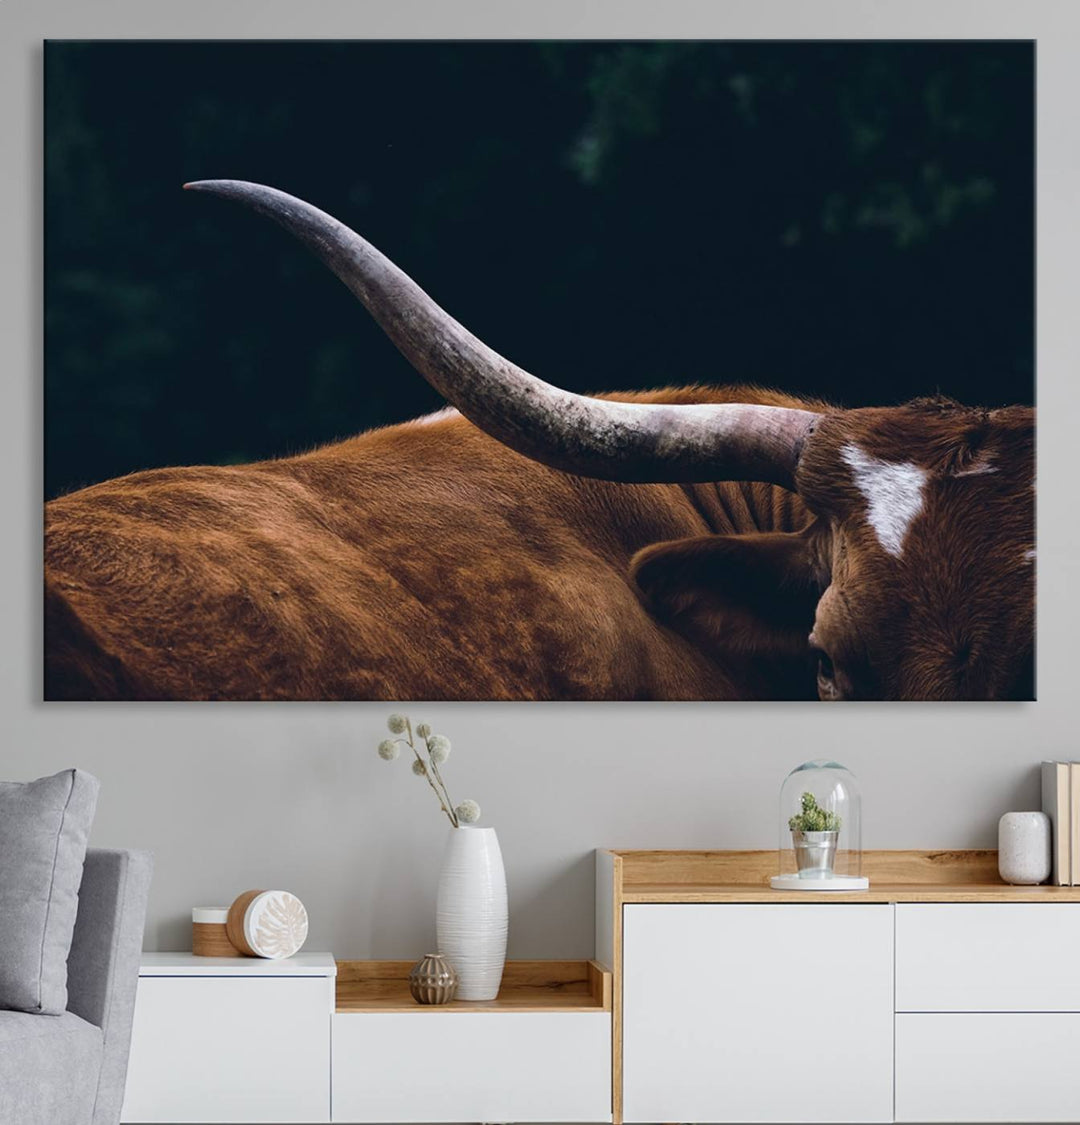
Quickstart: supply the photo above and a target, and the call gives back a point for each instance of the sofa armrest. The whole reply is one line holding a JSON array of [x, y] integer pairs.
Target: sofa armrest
[[103, 966]]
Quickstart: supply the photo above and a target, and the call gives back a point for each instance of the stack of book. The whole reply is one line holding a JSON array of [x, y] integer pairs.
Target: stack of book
[[1061, 803]]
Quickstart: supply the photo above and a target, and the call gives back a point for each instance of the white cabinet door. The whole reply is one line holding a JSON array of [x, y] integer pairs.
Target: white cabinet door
[[988, 1066], [758, 1013], [988, 957], [230, 1049], [472, 1066]]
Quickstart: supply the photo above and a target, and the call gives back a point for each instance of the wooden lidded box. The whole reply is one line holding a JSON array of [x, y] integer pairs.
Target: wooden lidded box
[[209, 937]]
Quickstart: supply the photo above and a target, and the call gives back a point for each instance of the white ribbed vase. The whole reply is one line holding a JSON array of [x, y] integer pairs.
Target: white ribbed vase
[[470, 915]]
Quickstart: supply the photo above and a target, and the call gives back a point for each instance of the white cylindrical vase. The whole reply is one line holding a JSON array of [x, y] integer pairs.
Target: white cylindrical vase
[[1024, 851], [470, 915]]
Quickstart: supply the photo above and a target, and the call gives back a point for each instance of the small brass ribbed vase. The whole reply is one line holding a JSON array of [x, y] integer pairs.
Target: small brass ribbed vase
[[433, 980]]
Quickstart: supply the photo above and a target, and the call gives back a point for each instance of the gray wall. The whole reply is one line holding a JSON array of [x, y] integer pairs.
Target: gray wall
[[238, 796]]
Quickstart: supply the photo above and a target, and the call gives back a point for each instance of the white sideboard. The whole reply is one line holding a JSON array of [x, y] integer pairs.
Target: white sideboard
[[940, 995], [236, 1040], [230, 1039]]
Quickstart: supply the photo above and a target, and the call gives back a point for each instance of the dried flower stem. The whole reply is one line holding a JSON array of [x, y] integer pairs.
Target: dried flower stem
[[444, 798], [446, 792]]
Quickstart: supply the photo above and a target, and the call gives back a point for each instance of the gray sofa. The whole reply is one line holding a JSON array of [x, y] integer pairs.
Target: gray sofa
[[70, 1069]]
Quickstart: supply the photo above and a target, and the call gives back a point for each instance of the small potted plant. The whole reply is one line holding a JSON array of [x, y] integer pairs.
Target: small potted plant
[[814, 835]]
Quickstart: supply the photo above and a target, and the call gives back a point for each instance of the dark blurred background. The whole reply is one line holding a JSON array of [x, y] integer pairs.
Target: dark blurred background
[[848, 220]]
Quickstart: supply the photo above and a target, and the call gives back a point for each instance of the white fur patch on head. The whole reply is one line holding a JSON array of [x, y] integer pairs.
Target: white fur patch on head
[[437, 416], [893, 492]]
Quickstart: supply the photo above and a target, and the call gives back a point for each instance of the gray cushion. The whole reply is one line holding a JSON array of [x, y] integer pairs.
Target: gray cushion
[[48, 1069], [44, 826]]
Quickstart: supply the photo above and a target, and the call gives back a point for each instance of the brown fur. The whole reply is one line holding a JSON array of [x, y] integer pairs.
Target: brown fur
[[426, 561], [951, 618], [954, 617]]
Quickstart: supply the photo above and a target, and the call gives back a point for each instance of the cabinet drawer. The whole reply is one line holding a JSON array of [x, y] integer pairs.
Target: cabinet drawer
[[236, 1049], [997, 1066], [988, 957], [758, 1013], [472, 1066]]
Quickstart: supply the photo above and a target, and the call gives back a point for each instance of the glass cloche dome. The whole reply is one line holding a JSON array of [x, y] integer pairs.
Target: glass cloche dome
[[820, 830]]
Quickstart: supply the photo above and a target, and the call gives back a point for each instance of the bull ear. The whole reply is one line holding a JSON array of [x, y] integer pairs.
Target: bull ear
[[750, 595]]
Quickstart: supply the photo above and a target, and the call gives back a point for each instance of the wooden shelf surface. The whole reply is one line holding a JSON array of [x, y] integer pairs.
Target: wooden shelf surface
[[527, 986], [895, 876], [878, 892]]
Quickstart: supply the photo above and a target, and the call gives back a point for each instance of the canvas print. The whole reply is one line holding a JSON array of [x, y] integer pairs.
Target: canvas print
[[539, 371]]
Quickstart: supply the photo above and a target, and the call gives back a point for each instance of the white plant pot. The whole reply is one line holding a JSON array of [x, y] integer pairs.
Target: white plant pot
[[470, 914]]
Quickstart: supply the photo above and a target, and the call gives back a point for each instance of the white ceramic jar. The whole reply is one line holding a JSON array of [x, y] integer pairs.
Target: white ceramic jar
[[271, 924], [1024, 847]]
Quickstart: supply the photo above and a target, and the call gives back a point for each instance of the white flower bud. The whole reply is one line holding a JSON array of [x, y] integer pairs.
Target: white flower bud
[[468, 812], [439, 748], [423, 729], [397, 723], [388, 750], [419, 768]]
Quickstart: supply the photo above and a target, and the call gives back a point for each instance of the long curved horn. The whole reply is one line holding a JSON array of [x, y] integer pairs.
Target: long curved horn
[[642, 442]]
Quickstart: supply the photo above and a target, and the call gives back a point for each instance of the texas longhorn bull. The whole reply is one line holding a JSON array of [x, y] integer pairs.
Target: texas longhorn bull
[[692, 543]]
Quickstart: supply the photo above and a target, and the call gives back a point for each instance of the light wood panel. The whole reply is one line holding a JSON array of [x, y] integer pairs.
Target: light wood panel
[[878, 892], [727, 868], [599, 984], [618, 876], [971, 867], [527, 986]]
